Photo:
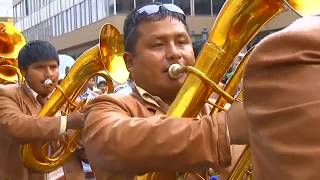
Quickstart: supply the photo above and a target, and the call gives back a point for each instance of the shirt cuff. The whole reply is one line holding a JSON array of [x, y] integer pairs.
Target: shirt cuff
[[63, 124], [223, 140]]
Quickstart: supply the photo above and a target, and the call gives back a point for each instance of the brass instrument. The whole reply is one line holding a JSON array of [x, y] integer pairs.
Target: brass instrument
[[104, 59], [237, 23], [11, 42]]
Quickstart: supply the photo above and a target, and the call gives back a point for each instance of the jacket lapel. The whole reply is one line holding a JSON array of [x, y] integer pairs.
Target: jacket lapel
[[28, 100]]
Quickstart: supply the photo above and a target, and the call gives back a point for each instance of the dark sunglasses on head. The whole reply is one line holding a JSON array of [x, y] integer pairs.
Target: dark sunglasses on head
[[154, 8]]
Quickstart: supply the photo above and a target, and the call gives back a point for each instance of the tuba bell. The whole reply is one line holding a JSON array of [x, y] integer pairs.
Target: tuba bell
[[104, 59], [237, 23], [11, 42]]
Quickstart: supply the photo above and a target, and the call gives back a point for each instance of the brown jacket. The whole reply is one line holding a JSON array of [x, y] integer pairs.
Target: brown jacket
[[19, 124], [281, 90], [129, 134]]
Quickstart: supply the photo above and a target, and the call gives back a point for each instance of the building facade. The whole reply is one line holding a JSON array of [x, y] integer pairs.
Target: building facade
[[73, 25]]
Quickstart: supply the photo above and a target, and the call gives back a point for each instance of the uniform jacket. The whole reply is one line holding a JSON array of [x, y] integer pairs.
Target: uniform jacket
[[130, 134], [282, 100], [19, 124]]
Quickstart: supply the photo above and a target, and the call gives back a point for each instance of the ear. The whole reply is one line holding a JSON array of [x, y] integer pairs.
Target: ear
[[128, 59]]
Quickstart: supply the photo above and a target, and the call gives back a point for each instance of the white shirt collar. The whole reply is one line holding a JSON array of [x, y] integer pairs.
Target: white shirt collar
[[31, 91]]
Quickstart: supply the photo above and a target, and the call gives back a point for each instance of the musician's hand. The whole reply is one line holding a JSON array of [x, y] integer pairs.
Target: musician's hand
[[75, 120]]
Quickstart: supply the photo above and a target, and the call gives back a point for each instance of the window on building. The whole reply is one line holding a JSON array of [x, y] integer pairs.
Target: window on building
[[27, 5], [18, 9], [165, 1], [184, 5], [78, 16], [42, 3], [217, 5], [36, 6], [73, 20], [53, 8], [69, 19], [142, 2], [124, 6], [37, 14], [31, 19], [111, 7], [58, 6], [93, 10], [31, 9], [87, 11], [101, 9], [42, 14], [83, 14], [59, 19], [53, 27], [202, 7], [65, 22]]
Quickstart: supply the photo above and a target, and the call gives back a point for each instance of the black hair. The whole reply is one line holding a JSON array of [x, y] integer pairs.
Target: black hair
[[102, 82], [131, 34], [35, 51]]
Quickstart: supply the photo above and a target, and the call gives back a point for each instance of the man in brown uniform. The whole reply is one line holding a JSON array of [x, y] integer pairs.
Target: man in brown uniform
[[281, 90], [130, 133], [19, 124]]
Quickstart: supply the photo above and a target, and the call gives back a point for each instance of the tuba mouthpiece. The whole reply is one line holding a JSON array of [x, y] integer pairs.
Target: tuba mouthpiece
[[48, 82], [175, 71]]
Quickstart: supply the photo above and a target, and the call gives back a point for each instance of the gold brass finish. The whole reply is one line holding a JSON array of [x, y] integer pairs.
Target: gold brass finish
[[105, 56], [232, 84], [11, 42], [242, 168], [237, 23], [10, 74]]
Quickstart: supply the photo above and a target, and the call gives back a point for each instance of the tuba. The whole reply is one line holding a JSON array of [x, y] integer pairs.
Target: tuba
[[104, 59], [11, 42], [237, 23]]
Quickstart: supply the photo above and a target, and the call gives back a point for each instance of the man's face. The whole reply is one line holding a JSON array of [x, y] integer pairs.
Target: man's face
[[91, 83], [103, 88], [38, 72], [160, 44]]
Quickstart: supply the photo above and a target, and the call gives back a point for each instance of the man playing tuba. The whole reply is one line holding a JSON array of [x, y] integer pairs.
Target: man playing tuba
[[130, 134], [19, 124]]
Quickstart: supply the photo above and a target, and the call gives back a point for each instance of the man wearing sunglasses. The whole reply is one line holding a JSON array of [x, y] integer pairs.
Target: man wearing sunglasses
[[130, 133]]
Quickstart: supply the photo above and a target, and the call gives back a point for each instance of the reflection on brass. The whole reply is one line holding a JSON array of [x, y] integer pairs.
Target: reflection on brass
[[11, 42]]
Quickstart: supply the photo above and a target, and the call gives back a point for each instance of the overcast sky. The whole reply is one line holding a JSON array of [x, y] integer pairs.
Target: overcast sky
[[6, 8]]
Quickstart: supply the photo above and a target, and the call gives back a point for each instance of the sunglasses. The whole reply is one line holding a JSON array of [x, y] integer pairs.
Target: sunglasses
[[154, 8]]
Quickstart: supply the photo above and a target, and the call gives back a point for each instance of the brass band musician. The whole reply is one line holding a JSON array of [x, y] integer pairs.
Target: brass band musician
[[130, 134], [19, 124]]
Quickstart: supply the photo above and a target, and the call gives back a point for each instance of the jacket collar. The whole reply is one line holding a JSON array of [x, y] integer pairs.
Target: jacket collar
[[153, 102], [29, 100]]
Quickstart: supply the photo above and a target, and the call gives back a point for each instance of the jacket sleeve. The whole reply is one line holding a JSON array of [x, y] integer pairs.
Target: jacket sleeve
[[14, 124], [116, 142]]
